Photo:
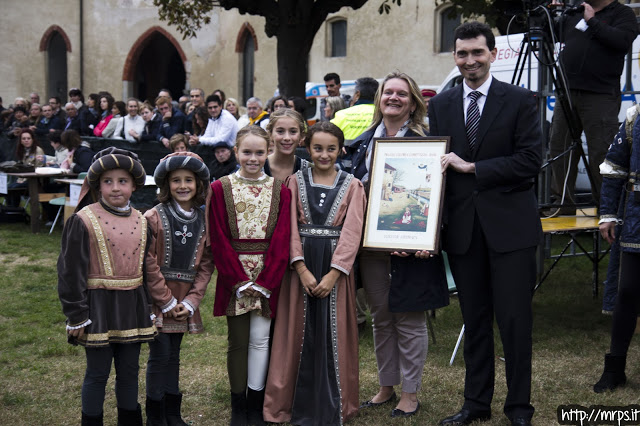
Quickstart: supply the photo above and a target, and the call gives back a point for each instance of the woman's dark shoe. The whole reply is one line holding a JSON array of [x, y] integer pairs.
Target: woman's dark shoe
[[613, 375], [399, 413], [370, 403]]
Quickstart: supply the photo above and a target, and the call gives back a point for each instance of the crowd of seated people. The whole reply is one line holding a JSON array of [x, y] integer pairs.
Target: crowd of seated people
[[65, 123]]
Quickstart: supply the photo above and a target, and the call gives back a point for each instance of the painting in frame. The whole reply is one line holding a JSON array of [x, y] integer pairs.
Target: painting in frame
[[406, 193]]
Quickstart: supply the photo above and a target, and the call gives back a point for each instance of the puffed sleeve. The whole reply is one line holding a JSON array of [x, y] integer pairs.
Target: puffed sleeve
[[73, 272], [295, 250], [203, 276], [349, 241], [160, 292], [615, 172]]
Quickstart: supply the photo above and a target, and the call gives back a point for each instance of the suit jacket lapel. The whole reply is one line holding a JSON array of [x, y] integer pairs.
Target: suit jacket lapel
[[456, 114], [493, 105]]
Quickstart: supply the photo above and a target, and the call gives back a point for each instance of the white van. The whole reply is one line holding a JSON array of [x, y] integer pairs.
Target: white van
[[503, 69]]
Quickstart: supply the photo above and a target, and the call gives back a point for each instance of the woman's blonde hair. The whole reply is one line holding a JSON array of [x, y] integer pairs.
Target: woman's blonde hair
[[416, 118]]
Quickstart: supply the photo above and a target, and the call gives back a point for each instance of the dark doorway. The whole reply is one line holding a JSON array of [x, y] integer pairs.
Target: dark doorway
[[158, 66], [57, 67], [247, 67]]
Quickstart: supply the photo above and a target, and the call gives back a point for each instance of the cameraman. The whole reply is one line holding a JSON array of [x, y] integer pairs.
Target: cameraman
[[596, 42]]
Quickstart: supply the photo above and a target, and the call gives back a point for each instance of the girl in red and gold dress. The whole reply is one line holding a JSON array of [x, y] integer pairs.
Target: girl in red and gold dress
[[250, 229]]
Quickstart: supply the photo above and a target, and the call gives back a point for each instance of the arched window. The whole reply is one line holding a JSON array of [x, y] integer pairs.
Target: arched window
[[56, 43], [449, 21], [337, 38], [246, 46], [155, 61]]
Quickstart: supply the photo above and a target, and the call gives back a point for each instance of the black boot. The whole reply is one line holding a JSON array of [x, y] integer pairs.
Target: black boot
[[91, 420], [255, 401], [155, 410], [173, 404], [238, 409], [130, 417], [613, 375]]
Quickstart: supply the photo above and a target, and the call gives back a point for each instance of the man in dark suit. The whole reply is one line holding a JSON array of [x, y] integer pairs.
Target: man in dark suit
[[491, 220], [72, 122]]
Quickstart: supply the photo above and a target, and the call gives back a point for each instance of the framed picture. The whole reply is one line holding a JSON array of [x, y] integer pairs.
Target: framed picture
[[406, 189]]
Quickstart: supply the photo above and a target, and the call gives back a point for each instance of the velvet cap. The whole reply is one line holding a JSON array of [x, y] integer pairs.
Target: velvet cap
[[114, 158], [181, 160]]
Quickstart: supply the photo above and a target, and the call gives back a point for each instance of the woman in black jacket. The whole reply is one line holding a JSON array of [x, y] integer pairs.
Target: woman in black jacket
[[152, 124], [399, 287]]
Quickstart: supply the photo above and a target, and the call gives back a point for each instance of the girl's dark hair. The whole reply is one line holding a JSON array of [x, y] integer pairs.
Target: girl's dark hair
[[70, 139], [20, 148], [122, 107], [96, 100], [299, 104], [110, 102], [222, 96], [54, 136], [204, 116], [199, 199], [324, 127]]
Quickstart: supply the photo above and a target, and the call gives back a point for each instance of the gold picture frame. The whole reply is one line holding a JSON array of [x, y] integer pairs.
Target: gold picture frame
[[406, 194]]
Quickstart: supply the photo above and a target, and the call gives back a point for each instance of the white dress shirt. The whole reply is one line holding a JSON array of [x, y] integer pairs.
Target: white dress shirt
[[484, 89], [136, 123], [221, 129]]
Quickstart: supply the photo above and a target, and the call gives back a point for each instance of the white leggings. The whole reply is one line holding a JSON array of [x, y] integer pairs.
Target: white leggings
[[258, 355], [248, 353]]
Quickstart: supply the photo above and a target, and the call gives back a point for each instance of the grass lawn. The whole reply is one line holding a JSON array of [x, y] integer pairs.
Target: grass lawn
[[41, 375]]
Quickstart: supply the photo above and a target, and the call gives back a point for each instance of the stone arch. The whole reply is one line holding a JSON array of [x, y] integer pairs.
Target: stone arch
[[46, 38], [245, 31], [137, 48], [156, 60]]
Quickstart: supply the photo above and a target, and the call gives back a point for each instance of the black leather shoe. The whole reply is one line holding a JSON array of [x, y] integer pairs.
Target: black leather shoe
[[520, 421], [370, 403], [466, 417], [399, 413]]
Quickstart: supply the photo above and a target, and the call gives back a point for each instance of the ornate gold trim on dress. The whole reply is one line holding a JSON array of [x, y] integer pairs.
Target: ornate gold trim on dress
[[227, 191], [253, 247], [143, 238], [119, 335], [115, 283], [105, 253], [274, 209]]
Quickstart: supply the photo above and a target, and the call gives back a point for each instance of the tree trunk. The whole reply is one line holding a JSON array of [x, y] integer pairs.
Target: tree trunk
[[293, 59]]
